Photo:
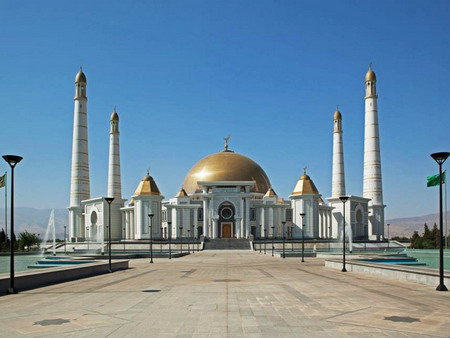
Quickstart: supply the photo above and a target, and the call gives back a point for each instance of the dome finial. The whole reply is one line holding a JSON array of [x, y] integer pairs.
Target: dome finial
[[226, 139], [304, 170], [148, 171]]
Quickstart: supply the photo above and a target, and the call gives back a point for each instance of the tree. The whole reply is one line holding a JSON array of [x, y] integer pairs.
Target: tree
[[27, 240], [4, 241]]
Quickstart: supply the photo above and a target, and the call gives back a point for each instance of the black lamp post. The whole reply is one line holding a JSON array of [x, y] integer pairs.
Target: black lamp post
[[260, 236], [151, 237], [273, 239], [292, 237], [88, 229], [124, 235], [162, 237], [388, 234], [265, 240], [440, 159], [109, 201], [181, 237], [65, 234], [169, 236], [343, 199], [329, 238], [12, 160], [303, 237], [284, 239], [188, 236]]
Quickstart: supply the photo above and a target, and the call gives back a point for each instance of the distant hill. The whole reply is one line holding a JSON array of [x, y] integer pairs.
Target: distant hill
[[36, 220], [407, 226]]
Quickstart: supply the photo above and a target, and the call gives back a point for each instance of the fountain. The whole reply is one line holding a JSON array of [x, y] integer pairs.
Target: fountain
[[50, 227]]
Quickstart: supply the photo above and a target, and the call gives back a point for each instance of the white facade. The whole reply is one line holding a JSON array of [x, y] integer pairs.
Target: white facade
[[225, 195]]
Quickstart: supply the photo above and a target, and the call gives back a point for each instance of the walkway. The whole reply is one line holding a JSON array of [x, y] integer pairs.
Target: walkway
[[228, 294]]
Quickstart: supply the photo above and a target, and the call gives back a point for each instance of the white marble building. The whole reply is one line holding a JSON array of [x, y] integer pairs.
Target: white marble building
[[224, 195]]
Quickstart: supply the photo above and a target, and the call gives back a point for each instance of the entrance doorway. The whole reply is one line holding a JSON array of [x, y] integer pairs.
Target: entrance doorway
[[227, 229]]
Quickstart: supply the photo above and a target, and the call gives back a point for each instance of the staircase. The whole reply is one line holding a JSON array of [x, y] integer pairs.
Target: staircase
[[227, 244]]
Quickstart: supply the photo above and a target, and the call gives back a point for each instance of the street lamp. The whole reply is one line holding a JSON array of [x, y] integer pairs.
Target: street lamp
[[12, 160], [124, 235], [169, 235], [303, 237], [151, 237], [188, 236], [260, 235], [162, 237], [65, 247], [265, 239], [292, 237], [109, 201], [388, 234], [440, 159], [343, 199], [273, 239], [181, 237], [284, 239]]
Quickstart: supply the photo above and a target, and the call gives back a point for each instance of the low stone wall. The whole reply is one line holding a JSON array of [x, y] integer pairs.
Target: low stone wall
[[416, 275], [26, 280]]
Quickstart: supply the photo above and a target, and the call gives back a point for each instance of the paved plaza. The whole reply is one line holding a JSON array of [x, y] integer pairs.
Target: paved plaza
[[228, 294]]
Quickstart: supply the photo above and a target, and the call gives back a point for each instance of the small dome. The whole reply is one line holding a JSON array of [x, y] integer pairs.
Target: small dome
[[80, 77], [337, 115], [370, 75], [114, 116], [147, 187], [305, 185], [181, 193], [271, 193]]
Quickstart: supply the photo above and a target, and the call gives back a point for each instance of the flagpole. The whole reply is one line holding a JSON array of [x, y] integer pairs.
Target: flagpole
[[446, 224], [6, 205]]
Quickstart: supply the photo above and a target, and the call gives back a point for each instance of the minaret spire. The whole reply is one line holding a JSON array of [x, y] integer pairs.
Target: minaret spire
[[338, 178], [372, 185], [114, 179], [79, 186]]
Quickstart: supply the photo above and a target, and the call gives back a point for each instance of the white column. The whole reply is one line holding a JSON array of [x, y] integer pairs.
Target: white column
[[215, 228], [114, 181], [196, 222], [247, 218], [205, 218]]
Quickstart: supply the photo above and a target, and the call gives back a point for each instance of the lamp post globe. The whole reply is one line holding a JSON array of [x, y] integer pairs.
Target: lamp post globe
[[109, 201], [343, 199], [440, 159], [151, 236], [12, 160]]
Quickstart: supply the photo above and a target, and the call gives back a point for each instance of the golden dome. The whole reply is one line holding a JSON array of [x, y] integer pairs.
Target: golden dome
[[80, 77], [226, 166], [114, 116], [271, 193], [370, 75], [305, 185], [147, 187], [337, 115], [181, 193]]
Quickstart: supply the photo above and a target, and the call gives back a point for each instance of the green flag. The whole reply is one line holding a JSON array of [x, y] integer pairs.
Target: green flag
[[2, 181], [433, 180]]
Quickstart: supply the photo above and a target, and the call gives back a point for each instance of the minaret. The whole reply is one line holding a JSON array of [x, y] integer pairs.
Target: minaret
[[79, 185], [338, 179], [114, 182], [372, 185]]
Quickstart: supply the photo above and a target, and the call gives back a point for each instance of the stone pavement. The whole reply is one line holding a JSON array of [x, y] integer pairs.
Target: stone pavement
[[228, 294]]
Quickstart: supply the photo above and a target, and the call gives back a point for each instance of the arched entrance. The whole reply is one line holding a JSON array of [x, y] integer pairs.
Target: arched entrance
[[227, 228]]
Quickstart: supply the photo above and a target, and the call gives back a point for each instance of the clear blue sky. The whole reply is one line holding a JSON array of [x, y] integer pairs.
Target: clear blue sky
[[184, 74]]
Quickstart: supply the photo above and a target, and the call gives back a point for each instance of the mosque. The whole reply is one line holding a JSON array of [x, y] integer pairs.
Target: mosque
[[226, 194]]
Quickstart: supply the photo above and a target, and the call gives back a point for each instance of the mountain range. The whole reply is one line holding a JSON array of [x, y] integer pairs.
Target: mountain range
[[36, 221]]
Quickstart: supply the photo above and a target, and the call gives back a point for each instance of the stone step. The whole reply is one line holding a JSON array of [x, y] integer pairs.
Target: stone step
[[227, 244]]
